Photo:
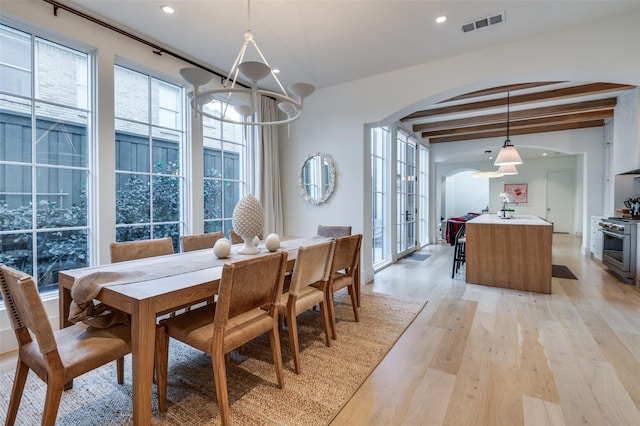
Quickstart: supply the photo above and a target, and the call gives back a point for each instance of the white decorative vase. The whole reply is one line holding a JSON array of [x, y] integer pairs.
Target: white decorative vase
[[248, 221]]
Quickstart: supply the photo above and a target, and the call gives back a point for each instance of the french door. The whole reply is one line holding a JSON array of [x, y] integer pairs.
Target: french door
[[406, 148]]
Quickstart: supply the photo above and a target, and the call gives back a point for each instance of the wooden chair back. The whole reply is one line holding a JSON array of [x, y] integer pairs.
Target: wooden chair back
[[313, 264], [132, 250], [250, 284], [334, 231], [25, 309], [347, 254], [200, 242], [237, 239]]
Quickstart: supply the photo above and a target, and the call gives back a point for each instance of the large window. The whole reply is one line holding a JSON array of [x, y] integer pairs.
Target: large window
[[225, 158], [149, 173], [44, 156]]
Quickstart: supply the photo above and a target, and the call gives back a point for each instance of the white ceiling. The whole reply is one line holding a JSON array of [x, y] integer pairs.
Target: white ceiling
[[328, 42]]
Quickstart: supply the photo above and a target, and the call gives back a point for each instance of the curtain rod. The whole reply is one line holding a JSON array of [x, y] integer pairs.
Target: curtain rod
[[156, 49]]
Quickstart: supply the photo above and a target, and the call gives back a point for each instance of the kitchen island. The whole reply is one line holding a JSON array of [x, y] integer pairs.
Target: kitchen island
[[509, 253]]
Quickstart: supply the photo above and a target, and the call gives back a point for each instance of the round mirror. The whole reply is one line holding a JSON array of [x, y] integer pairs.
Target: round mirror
[[317, 178]]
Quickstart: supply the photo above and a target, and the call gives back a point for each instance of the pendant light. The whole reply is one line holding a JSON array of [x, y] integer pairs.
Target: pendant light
[[508, 170], [489, 173], [508, 155]]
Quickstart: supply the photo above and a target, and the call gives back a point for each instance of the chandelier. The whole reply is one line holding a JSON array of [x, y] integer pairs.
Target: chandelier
[[289, 102], [508, 155]]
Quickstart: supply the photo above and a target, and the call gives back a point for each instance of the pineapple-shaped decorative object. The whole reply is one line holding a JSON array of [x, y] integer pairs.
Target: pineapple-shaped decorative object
[[248, 221]]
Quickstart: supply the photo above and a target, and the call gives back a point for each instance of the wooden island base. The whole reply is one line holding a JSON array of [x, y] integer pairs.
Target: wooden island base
[[509, 253]]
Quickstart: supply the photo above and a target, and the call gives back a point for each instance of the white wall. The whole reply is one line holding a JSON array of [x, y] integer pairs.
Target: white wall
[[465, 194]]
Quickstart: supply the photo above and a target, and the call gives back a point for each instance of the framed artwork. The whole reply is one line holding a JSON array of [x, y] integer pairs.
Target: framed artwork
[[518, 192]]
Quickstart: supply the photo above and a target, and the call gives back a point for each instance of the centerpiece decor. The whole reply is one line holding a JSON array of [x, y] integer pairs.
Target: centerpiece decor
[[505, 212], [248, 221]]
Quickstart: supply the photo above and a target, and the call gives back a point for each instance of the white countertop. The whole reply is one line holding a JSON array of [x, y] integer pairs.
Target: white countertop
[[518, 219]]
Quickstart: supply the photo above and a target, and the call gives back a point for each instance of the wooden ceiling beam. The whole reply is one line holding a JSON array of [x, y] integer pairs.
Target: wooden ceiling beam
[[500, 89], [515, 132], [555, 94], [597, 105], [514, 124]]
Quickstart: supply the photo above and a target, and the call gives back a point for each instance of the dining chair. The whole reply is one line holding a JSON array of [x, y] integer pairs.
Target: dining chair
[[200, 241], [237, 239], [245, 288], [307, 289], [142, 249], [55, 357], [334, 231], [459, 249], [132, 250], [345, 266]]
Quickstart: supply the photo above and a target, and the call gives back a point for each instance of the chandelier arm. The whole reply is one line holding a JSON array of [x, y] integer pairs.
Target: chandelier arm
[[234, 68], [267, 64]]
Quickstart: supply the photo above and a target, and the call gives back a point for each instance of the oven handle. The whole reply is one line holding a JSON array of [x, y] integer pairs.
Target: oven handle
[[611, 234]]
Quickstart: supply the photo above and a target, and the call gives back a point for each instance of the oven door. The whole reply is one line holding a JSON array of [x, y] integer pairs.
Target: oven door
[[616, 251]]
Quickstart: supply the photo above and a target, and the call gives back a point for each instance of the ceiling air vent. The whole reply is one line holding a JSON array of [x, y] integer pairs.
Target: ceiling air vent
[[484, 22]]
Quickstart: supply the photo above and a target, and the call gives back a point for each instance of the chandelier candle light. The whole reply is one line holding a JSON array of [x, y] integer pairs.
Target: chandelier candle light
[[290, 102], [508, 155]]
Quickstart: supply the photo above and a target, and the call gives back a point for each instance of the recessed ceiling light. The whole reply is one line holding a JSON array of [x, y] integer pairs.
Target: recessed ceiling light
[[544, 154], [167, 9], [441, 19], [275, 71]]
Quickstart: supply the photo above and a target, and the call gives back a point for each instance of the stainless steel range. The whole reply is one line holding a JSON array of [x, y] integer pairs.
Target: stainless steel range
[[619, 246]]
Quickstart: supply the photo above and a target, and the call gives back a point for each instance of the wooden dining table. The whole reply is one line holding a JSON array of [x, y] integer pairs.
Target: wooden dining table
[[145, 300]]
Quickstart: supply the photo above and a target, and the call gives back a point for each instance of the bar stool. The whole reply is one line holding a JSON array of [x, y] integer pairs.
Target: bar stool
[[459, 243]]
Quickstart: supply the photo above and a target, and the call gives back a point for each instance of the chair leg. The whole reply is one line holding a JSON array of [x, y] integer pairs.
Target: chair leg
[[324, 313], [19, 381], [354, 303], [274, 339], [220, 379], [120, 369], [332, 314], [52, 401], [162, 366], [292, 324]]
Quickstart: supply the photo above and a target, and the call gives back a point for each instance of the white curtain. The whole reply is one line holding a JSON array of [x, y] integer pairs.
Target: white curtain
[[268, 189]]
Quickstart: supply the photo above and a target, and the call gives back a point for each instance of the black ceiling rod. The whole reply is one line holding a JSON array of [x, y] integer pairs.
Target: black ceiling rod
[[156, 49]]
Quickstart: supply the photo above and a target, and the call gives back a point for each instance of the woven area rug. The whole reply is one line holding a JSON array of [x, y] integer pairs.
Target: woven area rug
[[330, 375]]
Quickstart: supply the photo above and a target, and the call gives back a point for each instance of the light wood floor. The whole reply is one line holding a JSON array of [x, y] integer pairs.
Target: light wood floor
[[479, 355]]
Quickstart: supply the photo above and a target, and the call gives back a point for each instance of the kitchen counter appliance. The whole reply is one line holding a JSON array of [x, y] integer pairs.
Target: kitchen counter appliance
[[619, 246]]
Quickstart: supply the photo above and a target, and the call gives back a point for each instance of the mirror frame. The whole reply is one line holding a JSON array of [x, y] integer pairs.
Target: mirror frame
[[332, 179]]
